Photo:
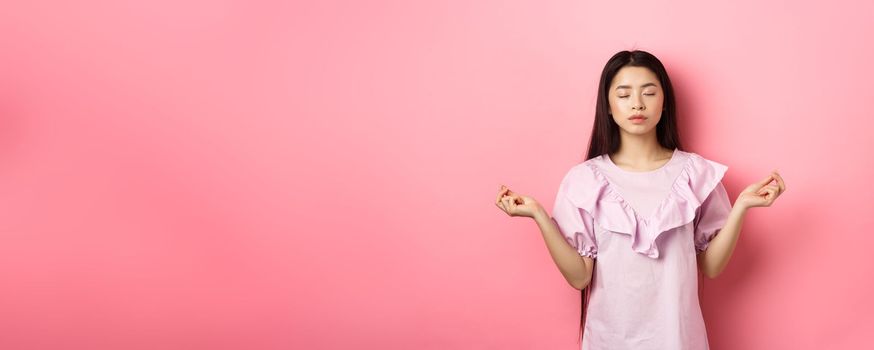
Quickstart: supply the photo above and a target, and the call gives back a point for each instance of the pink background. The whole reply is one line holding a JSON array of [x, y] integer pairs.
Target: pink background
[[242, 175]]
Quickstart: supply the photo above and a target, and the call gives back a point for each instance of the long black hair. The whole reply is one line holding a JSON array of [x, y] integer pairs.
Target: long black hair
[[605, 132]]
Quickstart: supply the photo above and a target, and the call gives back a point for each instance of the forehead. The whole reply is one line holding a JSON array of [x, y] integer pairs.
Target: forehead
[[634, 77]]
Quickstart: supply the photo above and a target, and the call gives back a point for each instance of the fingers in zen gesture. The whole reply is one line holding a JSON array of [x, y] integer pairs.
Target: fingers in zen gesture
[[763, 193], [515, 204]]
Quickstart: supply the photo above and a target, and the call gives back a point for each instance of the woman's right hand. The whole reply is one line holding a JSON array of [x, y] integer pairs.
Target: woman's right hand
[[515, 204]]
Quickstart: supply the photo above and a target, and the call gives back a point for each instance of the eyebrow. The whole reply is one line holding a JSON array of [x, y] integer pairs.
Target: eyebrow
[[628, 87]]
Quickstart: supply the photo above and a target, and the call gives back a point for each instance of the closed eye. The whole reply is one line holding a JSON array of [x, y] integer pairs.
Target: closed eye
[[643, 94]]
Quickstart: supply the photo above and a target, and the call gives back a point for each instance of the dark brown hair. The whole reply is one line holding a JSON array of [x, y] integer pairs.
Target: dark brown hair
[[605, 132]]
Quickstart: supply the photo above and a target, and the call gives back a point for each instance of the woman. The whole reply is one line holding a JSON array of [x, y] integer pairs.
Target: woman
[[633, 224]]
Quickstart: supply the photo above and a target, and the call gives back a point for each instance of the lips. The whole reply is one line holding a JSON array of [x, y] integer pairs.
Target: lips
[[636, 116]]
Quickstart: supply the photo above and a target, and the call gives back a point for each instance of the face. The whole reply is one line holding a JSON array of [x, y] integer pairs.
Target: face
[[636, 91]]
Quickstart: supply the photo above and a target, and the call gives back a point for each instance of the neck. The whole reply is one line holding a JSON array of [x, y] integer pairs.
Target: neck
[[640, 150]]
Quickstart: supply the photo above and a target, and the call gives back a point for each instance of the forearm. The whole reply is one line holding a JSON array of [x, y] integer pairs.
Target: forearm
[[714, 259], [576, 269]]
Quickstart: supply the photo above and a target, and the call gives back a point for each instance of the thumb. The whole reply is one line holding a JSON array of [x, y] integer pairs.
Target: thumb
[[764, 181]]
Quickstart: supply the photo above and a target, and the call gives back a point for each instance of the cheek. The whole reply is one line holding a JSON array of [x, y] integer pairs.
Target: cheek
[[617, 104]]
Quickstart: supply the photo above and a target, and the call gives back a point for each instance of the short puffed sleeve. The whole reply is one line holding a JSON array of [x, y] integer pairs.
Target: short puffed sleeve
[[575, 224], [711, 216]]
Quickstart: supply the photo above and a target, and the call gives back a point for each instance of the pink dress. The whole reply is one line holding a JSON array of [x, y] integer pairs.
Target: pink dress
[[644, 230]]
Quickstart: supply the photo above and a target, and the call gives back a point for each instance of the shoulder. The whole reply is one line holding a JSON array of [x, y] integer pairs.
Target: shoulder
[[582, 184], [700, 164], [581, 173], [699, 178]]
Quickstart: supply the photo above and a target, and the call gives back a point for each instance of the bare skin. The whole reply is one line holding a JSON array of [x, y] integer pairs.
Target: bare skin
[[576, 269], [636, 91]]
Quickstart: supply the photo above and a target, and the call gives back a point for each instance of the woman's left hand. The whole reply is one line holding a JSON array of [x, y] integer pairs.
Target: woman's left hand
[[761, 194]]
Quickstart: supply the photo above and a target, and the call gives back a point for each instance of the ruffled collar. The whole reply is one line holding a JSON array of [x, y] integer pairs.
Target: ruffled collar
[[590, 190]]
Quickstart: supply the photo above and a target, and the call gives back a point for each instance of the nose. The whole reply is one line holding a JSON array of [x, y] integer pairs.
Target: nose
[[638, 104]]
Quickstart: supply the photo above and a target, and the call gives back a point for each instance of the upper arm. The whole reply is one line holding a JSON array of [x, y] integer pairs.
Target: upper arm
[[702, 263], [589, 264]]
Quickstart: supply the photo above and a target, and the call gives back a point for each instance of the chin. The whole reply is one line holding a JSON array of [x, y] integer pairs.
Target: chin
[[639, 130]]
